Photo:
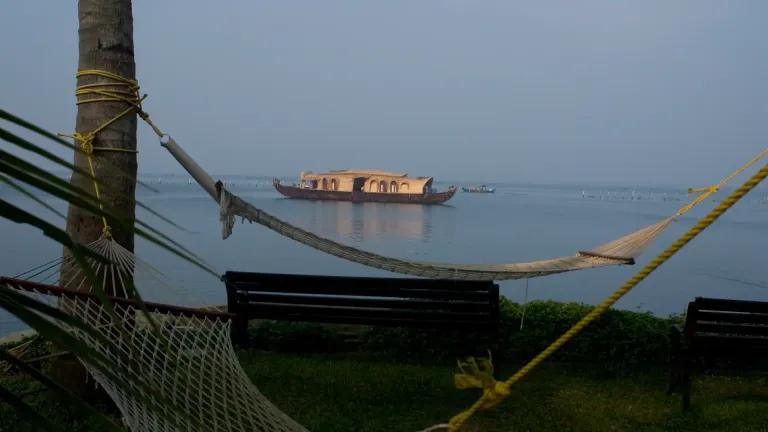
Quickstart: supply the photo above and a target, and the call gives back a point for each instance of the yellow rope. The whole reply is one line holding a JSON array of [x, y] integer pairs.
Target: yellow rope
[[706, 192], [117, 89], [495, 392]]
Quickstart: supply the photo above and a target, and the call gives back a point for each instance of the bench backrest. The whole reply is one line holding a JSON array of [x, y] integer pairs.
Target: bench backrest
[[398, 302], [736, 325]]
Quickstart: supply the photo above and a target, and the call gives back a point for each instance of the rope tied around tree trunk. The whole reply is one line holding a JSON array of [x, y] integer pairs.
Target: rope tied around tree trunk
[[116, 89]]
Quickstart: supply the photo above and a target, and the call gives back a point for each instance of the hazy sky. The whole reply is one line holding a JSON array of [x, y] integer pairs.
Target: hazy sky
[[630, 92]]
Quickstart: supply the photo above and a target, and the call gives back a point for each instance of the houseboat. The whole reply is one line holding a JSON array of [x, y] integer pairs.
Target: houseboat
[[365, 186]]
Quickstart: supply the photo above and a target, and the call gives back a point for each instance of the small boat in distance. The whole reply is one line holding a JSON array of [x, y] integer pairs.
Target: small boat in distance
[[365, 186], [478, 189]]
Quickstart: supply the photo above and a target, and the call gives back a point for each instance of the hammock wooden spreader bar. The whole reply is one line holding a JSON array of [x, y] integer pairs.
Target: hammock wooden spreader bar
[[59, 291], [621, 251]]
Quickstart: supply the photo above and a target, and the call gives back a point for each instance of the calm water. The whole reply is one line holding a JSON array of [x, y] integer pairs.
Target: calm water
[[517, 223]]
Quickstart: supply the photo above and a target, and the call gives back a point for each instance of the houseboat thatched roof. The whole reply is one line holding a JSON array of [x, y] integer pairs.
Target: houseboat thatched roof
[[358, 173]]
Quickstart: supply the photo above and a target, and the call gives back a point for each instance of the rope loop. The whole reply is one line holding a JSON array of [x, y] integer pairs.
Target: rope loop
[[478, 373], [86, 142], [106, 230], [116, 89]]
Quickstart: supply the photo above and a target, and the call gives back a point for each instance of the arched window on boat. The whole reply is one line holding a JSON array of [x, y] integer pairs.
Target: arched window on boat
[[373, 186], [334, 184], [325, 184], [404, 187], [393, 187], [427, 187], [382, 186]]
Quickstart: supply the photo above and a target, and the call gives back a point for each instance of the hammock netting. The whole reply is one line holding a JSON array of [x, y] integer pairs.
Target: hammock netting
[[620, 251], [180, 374]]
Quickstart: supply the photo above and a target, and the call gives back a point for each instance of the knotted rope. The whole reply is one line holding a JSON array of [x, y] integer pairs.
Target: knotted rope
[[116, 89], [707, 191]]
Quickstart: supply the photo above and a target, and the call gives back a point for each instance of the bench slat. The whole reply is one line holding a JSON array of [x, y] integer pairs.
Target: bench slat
[[330, 282], [720, 346], [705, 328], [731, 317], [728, 305], [385, 322], [361, 290], [370, 302], [260, 310]]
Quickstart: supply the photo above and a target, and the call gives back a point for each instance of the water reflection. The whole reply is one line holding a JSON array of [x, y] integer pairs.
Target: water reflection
[[360, 222]]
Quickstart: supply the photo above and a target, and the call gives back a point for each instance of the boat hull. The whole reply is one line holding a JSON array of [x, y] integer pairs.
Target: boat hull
[[330, 195]]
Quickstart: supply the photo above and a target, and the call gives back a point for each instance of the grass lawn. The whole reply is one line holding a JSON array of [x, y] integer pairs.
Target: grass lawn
[[356, 392], [350, 393]]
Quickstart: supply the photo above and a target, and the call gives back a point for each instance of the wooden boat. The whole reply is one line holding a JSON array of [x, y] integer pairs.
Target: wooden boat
[[365, 186], [478, 189]]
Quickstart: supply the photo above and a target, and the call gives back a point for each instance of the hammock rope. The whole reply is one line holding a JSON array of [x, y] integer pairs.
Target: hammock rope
[[706, 192], [116, 89]]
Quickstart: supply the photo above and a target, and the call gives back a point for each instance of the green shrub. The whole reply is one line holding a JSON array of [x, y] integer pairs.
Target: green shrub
[[619, 338], [294, 337]]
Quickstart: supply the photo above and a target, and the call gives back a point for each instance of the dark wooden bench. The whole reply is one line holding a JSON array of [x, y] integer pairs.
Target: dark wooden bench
[[463, 306], [718, 334]]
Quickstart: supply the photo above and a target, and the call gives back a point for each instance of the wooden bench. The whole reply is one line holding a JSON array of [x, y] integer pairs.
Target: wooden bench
[[463, 306], [718, 334]]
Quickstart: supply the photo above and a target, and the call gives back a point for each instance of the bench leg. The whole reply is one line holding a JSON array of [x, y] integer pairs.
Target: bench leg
[[494, 349], [239, 331], [685, 381], [674, 381]]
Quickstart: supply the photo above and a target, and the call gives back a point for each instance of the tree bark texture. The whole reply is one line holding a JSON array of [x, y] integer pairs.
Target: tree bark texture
[[106, 43]]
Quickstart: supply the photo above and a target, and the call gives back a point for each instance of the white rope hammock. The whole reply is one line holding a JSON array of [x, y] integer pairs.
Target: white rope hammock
[[620, 251], [182, 375]]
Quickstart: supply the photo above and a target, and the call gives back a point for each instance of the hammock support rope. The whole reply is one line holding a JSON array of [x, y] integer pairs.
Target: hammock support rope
[[495, 392]]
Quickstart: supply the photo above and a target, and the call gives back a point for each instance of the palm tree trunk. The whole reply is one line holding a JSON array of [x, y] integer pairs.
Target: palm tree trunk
[[106, 43]]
